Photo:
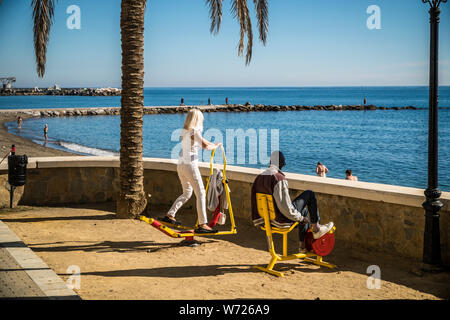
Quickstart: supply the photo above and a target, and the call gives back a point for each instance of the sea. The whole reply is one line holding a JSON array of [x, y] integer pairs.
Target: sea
[[382, 146]]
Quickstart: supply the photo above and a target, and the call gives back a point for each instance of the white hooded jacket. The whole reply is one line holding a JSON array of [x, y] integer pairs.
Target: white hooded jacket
[[216, 191]]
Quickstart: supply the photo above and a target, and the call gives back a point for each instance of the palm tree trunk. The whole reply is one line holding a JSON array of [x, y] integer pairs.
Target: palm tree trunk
[[131, 199]]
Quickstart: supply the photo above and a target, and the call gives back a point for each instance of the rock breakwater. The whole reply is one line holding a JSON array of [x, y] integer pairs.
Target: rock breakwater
[[71, 112]]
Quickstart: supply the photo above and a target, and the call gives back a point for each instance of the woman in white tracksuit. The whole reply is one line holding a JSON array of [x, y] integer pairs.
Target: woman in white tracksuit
[[188, 172]]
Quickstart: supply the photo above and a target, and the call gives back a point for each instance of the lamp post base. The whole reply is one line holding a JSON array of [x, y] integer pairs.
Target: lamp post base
[[11, 196]]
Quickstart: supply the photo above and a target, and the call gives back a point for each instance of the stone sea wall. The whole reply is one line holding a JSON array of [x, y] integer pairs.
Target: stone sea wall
[[373, 216], [71, 112]]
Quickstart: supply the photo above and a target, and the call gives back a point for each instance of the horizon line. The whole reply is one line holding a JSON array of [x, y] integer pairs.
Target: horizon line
[[214, 87]]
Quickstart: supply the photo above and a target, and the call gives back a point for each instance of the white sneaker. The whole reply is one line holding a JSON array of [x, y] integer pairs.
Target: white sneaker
[[323, 229], [222, 218]]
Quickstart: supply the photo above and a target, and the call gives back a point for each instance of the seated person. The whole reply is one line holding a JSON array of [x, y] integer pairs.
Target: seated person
[[349, 176], [273, 182]]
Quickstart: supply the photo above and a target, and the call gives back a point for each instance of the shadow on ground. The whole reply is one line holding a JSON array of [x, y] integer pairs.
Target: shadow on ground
[[106, 207], [105, 246], [176, 272]]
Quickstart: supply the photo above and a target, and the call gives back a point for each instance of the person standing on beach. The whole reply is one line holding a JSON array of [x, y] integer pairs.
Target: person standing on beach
[[45, 131], [189, 173], [19, 122], [321, 170], [226, 100], [349, 175]]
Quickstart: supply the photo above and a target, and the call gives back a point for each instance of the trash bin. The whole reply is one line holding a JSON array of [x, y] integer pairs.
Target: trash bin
[[17, 173], [17, 170]]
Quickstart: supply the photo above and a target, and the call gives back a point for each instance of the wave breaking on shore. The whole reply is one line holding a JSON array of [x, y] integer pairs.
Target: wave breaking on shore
[[86, 150]]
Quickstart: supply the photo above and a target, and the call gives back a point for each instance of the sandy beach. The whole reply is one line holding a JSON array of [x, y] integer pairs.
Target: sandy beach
[[23, 146]]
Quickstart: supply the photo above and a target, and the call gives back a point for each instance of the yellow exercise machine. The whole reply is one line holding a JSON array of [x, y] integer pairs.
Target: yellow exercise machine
[[188, 232], [320, 247]]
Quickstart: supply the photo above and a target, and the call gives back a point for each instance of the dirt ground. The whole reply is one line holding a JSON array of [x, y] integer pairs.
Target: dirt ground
[[129, 259]]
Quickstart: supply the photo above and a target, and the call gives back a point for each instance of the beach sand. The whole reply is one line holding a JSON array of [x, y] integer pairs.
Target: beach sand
[[23, 146], [128, 259]]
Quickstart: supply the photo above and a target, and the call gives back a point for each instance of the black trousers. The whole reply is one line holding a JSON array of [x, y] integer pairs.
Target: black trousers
[[306, 203]]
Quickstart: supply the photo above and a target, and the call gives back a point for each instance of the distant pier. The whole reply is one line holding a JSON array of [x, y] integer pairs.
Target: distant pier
[[56, 91]]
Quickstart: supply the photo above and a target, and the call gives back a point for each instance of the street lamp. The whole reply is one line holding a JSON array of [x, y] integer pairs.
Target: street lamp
[[432, 245]]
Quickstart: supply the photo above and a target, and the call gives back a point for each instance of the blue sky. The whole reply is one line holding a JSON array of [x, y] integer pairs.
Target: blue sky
[[310, 43]]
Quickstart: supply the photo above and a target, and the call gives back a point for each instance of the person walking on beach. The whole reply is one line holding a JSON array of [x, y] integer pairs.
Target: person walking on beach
[[349, 175], [19, 122], [188, 171], [321, 170], [45, 132]]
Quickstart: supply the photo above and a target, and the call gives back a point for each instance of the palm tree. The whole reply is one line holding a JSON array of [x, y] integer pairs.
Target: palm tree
[[132, 199]]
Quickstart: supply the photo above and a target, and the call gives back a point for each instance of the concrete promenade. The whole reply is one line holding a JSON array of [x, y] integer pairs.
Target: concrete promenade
[[23, 275]]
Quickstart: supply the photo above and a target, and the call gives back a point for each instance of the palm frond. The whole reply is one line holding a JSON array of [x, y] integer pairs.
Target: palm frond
[[262, 12], [248, 56], [240, 10], [43, 19], [215, 11]]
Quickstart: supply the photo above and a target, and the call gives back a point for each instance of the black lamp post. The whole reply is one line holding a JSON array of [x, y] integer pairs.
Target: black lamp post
[[432, 246]]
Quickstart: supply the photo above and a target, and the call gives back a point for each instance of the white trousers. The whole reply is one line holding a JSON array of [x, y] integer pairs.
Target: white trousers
[[191, 180]]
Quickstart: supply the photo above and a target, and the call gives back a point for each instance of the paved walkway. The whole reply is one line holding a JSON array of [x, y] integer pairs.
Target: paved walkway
[[23, 275]]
